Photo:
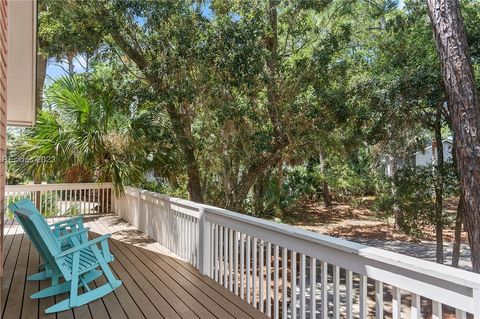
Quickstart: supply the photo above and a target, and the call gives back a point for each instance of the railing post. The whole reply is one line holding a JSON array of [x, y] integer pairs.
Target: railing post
[[476, 302], [204, 243], [113, 201]]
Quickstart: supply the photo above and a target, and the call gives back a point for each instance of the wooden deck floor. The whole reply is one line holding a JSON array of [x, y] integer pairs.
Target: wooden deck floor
[[155, 283]]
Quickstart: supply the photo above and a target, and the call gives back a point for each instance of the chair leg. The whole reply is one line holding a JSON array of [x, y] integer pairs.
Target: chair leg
[[114, 282], [57, 289], [76, 300], [81, 299], [74, 281], [43, 275]]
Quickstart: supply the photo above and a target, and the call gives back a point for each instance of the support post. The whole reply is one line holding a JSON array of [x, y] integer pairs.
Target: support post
[[204, 243]]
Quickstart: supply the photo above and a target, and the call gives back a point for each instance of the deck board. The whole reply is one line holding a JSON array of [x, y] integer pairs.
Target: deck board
[[156, 284]]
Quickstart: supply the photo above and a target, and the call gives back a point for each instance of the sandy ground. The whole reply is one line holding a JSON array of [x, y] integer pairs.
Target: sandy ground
[[361, 225]]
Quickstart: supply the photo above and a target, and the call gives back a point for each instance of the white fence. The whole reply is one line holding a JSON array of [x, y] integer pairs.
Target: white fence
[[288, 272], [55, 200]]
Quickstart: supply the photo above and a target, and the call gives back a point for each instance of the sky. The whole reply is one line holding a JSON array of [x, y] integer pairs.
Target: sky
[[58, 69]]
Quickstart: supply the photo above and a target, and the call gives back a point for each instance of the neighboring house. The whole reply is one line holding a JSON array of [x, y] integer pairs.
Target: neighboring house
[[423, 157], [389, 165]]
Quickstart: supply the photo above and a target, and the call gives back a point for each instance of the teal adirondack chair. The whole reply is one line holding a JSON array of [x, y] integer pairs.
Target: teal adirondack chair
[[78, 265], [68, 232]]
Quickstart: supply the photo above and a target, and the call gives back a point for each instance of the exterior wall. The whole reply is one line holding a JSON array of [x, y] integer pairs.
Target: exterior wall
[[425, 158], [3, 115]]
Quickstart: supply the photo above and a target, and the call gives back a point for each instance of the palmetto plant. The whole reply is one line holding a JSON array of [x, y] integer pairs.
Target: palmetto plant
[[85, 135]]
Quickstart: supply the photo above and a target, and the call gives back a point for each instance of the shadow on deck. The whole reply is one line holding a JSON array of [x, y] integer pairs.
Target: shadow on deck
[[156, 284]]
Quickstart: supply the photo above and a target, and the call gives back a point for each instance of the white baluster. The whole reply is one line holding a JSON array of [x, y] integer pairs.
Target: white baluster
[[249, 294], [302, 287], [293, 294], [459, 314], [215, 253], [269, 279], [363, 297], [396, 303], [336, 292], [262, 281], [436, 310], [242, 263], [324, 278], [225, 258], [284, 283], [313, 288], [275, 283], [349, 296], [231, 269], [254, 273], [235, 261], [378, 300]]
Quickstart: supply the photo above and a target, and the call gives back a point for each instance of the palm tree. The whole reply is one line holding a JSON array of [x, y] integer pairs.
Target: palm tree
[[87, 136]]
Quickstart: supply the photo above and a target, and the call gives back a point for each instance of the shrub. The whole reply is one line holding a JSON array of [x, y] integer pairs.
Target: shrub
[[414, 197]]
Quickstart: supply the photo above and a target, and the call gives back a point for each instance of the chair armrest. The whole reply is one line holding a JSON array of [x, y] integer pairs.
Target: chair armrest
[[83, 246], [73, 233], [67, 221]]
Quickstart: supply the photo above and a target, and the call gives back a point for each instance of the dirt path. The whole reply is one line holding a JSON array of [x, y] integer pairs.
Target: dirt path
[[363, 226]]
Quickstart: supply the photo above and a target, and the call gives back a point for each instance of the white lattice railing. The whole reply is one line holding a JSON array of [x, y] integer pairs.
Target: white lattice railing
[[288, 272], [55, 200]]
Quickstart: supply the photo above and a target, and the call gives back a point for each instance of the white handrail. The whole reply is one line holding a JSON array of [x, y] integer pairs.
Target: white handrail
[[171, 221], [51, 187], [443, 272], [243, 253], [56, 200]]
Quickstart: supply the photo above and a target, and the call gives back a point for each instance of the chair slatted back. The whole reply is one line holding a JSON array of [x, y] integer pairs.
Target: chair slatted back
[[28, 205], [40, 234]]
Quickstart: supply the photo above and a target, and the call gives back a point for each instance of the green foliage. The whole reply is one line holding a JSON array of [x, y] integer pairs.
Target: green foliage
[[345, 182], [65, 29], [48, 204], [163, 187], [414, 197], [73, 210], [84, 135], [221, 89]]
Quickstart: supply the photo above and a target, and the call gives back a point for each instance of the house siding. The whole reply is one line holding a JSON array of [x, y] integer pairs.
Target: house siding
[[424, 157], [3, 115]]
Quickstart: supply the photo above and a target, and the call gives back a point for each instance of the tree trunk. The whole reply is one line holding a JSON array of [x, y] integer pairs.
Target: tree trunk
[[278, 208], [258, 191], [460, 209], [268, 160], [70, 57], [40, 81], [458, 232], [271, 64], [182, 130], [325, 189], [458, 77], [439, 186], [180, 122], [397, 213]]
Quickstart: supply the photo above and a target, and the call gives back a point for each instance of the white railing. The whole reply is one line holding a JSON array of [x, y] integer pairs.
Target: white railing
[[174, 223], [55, 200], [288, 272]]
